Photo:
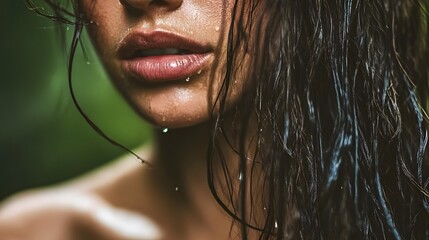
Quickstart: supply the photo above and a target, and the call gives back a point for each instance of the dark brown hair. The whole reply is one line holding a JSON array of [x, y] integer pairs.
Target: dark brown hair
[[339, 96]]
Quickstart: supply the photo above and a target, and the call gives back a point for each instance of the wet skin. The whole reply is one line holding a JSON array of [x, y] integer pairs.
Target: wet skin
[[184, 98], [165, 57]]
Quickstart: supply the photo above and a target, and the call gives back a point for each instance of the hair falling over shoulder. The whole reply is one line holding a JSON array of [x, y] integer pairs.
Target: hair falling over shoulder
[[339, 93]]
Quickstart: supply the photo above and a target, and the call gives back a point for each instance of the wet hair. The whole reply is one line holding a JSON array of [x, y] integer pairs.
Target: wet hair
[[337, 98]]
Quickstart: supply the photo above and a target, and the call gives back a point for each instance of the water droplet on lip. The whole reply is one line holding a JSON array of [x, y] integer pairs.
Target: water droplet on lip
[[188, 79], [165, 130]]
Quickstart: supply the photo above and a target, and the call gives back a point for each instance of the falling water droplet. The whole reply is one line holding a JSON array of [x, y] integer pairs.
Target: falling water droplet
[[275, 224], [176, 189], [88, 62], [165, 130], [67, 28], [240, 176], [265, 208]]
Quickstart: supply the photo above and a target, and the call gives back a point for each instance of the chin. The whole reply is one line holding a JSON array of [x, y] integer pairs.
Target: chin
[[179, 119], [172, 111]]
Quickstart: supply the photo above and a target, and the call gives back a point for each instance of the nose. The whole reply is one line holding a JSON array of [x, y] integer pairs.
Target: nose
[[146, 5]]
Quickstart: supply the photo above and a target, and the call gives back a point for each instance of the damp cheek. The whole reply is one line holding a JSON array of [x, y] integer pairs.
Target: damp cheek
[[105, 24]]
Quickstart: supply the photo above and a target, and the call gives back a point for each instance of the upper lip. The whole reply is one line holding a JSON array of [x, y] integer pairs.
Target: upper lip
[[138, 41]]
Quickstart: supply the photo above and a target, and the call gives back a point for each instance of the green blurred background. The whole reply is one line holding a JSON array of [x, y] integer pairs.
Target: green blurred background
[[43, 139]]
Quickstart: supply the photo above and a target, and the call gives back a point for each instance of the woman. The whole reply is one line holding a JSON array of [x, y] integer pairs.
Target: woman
[[276, 120]]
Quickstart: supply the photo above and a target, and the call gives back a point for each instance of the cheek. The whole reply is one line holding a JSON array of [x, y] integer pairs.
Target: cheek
[[106, 25]]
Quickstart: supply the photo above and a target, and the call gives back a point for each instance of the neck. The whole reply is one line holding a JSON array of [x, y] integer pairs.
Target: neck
[[181, 158], [180, 166]]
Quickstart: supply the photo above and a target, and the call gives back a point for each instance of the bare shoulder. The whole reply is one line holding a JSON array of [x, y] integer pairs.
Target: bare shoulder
[[37, 215], [79, 209]]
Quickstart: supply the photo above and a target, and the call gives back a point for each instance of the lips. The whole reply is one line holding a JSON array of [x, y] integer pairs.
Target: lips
[[161, 56]]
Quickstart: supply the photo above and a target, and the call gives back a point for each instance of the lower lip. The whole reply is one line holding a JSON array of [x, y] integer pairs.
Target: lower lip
[[165, 68]]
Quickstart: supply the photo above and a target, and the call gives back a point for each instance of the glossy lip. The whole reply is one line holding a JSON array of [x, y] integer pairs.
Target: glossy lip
[[162, 68]]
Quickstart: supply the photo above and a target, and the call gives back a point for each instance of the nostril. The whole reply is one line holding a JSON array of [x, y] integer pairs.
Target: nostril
[[136, 2], [145, 4]]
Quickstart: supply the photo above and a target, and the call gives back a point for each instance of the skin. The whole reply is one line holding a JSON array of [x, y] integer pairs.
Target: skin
[[171, 199], [177, 103]]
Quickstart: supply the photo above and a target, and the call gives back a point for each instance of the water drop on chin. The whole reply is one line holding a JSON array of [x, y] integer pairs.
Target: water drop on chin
[[165, 130]]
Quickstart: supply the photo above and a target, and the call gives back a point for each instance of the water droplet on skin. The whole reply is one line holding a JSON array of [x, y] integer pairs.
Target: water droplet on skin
[[188, 79], [165, 130], [217, 29], [240, 176], [199, 72]]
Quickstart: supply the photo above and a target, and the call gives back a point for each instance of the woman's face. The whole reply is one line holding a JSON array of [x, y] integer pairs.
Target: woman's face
[[162, 54]]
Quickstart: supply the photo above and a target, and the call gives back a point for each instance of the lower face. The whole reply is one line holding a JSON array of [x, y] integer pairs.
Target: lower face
[[163, 56]]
